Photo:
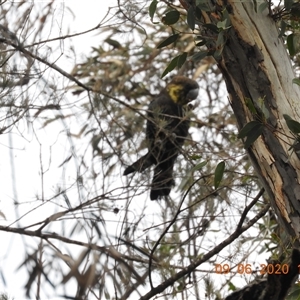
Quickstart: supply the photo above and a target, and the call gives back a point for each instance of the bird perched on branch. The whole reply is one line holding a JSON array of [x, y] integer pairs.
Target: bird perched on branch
[[167, 128]]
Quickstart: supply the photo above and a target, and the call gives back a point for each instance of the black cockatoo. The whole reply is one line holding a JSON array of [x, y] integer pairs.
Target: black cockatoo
[[167, 128]]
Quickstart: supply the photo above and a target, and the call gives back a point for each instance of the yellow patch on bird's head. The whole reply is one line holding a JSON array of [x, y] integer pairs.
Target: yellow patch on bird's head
[[182, 90], [174, 91]]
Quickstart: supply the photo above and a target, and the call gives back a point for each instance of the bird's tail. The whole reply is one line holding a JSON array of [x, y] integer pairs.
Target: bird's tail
[[140, 165], [162, 183]]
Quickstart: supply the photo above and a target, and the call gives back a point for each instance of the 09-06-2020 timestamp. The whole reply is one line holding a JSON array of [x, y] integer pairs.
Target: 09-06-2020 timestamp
[[263, 269]]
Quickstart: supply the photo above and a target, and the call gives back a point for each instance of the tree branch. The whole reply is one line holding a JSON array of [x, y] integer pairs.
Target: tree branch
[[240, 229]]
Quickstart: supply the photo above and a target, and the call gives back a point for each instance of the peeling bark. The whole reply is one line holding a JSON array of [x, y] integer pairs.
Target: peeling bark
[[256, 66]]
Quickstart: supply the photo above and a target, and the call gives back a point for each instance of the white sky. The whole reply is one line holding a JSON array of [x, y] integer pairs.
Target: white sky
[[87, 15]]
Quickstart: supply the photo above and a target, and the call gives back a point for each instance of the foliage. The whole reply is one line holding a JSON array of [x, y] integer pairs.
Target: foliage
[[99, 231]]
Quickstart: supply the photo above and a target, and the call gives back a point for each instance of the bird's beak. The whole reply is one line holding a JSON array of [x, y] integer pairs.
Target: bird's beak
[[192, 94]]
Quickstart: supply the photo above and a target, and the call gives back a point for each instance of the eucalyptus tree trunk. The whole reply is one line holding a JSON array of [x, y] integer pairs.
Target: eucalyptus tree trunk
[[258, 74]]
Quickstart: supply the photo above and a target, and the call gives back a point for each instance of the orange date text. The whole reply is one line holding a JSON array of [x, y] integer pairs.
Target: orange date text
[[263, 269]]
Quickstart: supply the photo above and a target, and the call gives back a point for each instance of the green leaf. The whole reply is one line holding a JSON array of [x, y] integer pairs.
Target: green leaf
[[263, 6], [195, 157], [172, 65], [198, 166], [203, 5], [287, 117], [232, 287], [222, 24], [253, 136], [226, 17], [246, 130], [198, 13], [201, 43], [252, 131], [152, 9], [255, 5], [265, 111], [199, 55], [181, 59], [296, 81], [221, 39], [250, 105], [290, 44], [189, 173], [171, 17], [219, 172], [177, 61], [113, 43], [212, 27], [296, 42], [282, 27], [170, 40], [220, 44], [262, 105], [191, 18], [293, 125]]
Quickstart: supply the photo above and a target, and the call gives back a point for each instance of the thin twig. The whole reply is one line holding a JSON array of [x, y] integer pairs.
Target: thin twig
[[190, 268]]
